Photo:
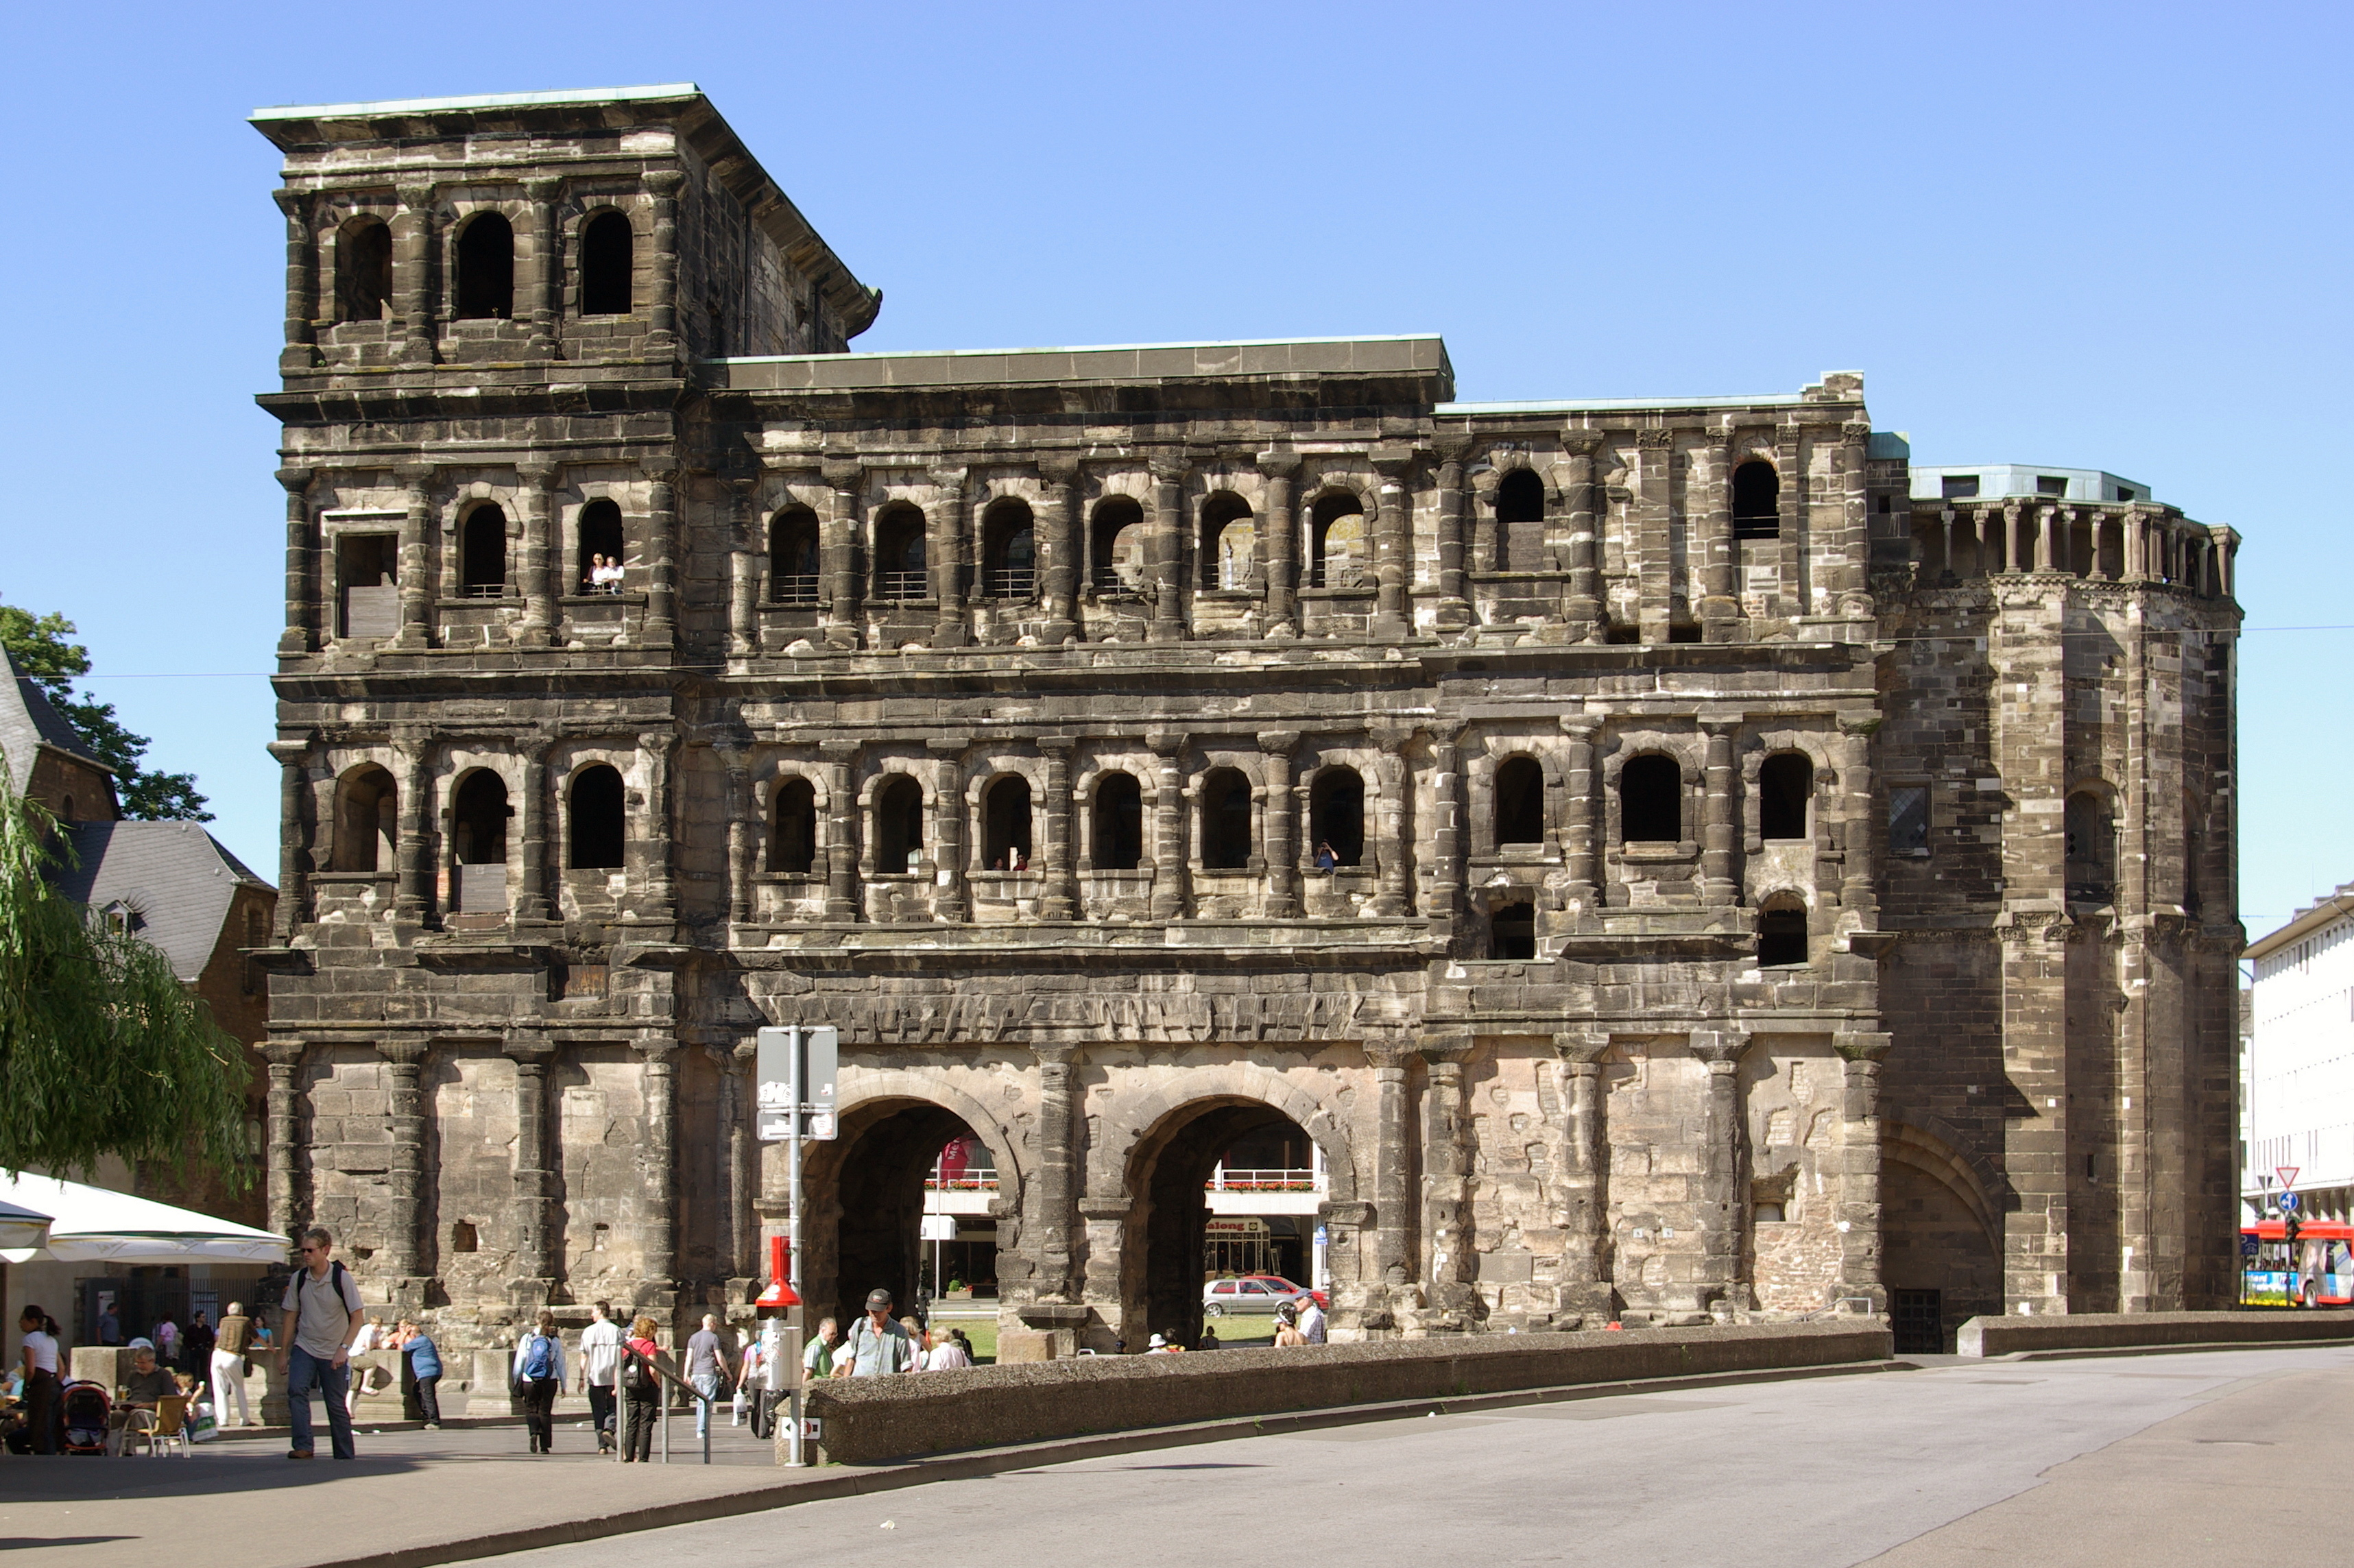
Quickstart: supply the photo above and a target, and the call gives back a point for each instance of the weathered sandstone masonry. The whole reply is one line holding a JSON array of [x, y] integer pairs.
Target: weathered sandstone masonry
[[1664, 868]]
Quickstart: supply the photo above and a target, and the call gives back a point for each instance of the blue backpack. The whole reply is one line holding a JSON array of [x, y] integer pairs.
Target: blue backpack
[[539, 1361]]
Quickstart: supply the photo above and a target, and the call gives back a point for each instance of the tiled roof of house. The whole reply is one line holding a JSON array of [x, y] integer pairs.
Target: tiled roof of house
[[176, 878], [27, 723]]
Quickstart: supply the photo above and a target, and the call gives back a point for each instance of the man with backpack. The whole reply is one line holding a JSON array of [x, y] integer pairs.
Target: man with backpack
[[878, 1346], [538, 1376], [323, 1318]]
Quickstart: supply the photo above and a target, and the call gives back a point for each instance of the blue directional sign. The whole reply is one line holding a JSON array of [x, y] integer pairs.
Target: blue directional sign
[[2288, 1202], [2248, 1245]]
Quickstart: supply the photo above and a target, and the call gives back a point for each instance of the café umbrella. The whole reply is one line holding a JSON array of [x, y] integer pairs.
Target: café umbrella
[[21, 1228], [91, 1224]]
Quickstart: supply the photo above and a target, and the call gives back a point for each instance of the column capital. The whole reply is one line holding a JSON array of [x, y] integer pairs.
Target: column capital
[[403, 1053], [1580, 442], [842, 753], [290, 752], [536, 472], [297, 480], [543, 187], [1167, 470], [534, 1050], [1581, 1047], [1278, 742], [1579, 727], [1445, 1048], [1454, 450], [662, 470], [1057, 747], [949, 481], [657, 1053], [1168, 744], [1058, 467], [664, 182], [417, 196], [1721, 1049], [285, 1054], [841, 473], [1056, 1056], [1860, 729], [1863, 1046], [415, 475]]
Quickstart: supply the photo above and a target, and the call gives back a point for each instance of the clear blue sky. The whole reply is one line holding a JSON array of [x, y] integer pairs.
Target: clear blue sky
[[2111, 237]]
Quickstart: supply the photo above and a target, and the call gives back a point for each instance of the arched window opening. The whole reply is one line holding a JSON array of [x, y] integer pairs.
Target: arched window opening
[[1781, 932], [485, 268], [898, 826], [1757, 501], [1650, 801], [1229, 540], [1520, 522], [792, 557], [1512, 932], [69, 812], [1520, 802], [1336, 817], [1226, 820], [483, 553], [1119, 822], [1009, 546], [601, 548], [792, 827], [366, 820], [1336, 542], [606, 257], [2092, 849], [597, 819], [1006, 812], [1117, 537], [478, 819], [899, 572], [1785, 785], [363, 270]]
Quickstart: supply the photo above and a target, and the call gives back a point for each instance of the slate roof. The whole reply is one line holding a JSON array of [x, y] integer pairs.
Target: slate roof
[[177, 877], [27, 723]]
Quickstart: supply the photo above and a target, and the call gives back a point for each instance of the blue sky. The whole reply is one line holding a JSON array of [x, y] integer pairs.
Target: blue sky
[[2103, 236]]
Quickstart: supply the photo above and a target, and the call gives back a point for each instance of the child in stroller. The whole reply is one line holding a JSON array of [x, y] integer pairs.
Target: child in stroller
[[86, 1411]]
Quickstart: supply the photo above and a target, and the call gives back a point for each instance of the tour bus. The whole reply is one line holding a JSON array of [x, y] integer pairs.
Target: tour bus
[[2322, 1274]]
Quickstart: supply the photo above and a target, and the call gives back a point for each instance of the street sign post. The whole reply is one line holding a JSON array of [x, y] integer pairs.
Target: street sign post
[[795, 1098], [2287, 1174]]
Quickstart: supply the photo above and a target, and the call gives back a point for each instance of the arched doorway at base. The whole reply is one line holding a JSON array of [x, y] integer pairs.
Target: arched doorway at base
[[1168, 1249]]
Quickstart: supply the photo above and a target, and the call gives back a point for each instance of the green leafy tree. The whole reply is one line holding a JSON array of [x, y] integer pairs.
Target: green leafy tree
[[43, 653], [103, 1050]]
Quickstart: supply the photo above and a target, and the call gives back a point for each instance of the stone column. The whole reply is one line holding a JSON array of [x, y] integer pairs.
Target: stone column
[[660, 1162], [1791, 526], [1168, 520], [416, 586], [1061, 898], [842, 830], [1447, 1182], [1394, 1172], [1171, 880], [838, 552], [655, 829], [738, 1065], [294, 837], [1585, 613], [1582, 842], [536, 272], [1720, 609], [536, 1263], [1721, 1204], [542, 558], [661, 545], [1858, 1204], [310, 586], [944, 527], [404, 1250], [743, 569], [412, 896], [952, 824], [1392, 887], [1860, 884], [300, 355], [1854, 597], [735, 800], [1282, 542], [661, 306], [1057, 475], [1584, 1211], [2043, 522], [285, 1059], [1391, 567], [531, 902], [1059, 1124], [1720, 882], [1454, 585], [1448, 836], [412, 271], [1281, 851], [1655, 602]]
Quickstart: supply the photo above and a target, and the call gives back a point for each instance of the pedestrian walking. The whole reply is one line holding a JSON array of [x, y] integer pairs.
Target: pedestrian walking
[[425, 1369], [708, 1365], [600, 1362], [371, 1339], [818, 1357], [876, 1346], [39, 1352], [228, 1364], [324, 1317], [1311, 1320], [641, 1388], [538, 1375], [748, 1377], [109, 1326]]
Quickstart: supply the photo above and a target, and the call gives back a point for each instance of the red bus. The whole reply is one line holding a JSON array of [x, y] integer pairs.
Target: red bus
[[2321, 1275]]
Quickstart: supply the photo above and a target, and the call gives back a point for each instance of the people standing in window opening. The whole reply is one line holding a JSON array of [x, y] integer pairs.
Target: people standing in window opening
[[1325, 859], [604, 574], [1021, 861]]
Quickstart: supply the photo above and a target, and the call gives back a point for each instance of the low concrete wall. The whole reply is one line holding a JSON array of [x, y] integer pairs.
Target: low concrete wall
[[2125, 1331], [869, 1420]]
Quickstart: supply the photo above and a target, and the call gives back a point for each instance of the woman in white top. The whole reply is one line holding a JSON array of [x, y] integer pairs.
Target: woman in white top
[[950, 1351], [40, 1362]]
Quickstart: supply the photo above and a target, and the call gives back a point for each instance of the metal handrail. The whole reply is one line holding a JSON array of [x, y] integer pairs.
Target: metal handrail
[[662, 1374], [1012, 582], [800, 591], [902, 585]]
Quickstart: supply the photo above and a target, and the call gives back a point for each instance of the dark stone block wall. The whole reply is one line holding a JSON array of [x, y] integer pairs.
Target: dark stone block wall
[[994, 707]]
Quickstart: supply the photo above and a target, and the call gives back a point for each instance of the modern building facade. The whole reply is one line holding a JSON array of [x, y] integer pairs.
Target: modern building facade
[[2300, 1062], [1666, 865]]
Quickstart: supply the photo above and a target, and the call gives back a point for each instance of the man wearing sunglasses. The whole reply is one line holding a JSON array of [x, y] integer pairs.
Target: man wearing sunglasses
[[323, 1319]]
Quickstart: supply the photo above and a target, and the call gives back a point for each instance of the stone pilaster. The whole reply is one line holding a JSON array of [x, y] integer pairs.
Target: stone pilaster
[[842, 830], [542, 565], [1053, 1219], [839, 552], [743, 570], [1446, 1183], [537, 1266], [662, 551], [1390, 842], [1448, 831], [1721, 1204], [402, 1263], [662, 305], [295, 833], [946, 523], [1858, 1204], [1394, 1170], [1859, 882], [658, 749], [302, 300], [1454, 587], [1583, 1210], [309, 588], [1061, 898], [1057, 475], [1854, 582], [1172, 892], [536, 272], [1656, 604], [1709, 490], [1282, 542], [743, 827], [416, 586], [1392, 568], [284, 1058], [659, 1165], [531, 902], [412, 271], [951, 828], [1582, 840], [412, 893], [1720, 879], [1282, 848], [1167, 539], [1584, 607]]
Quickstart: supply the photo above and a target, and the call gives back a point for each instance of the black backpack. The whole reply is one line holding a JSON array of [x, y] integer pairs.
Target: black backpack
[[637, 1372]]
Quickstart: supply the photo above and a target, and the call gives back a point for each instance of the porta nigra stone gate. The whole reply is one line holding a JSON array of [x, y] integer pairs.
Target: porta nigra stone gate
[[1661, 866]]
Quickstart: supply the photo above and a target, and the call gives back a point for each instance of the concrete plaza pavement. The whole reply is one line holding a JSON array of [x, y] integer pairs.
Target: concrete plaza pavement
[[2182, 1459]]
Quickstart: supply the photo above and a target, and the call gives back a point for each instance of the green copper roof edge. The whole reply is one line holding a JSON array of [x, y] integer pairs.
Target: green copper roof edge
[[486, 101], [1071, 348]]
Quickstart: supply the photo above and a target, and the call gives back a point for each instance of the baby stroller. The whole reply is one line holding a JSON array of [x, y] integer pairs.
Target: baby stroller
[[86, 1408]]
